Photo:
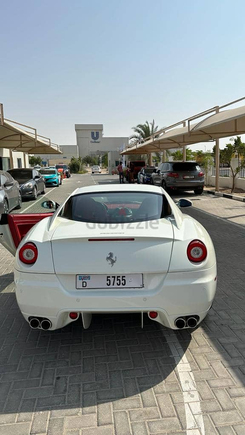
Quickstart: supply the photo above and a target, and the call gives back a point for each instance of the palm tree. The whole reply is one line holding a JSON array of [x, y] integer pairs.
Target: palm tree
[[143, 131]]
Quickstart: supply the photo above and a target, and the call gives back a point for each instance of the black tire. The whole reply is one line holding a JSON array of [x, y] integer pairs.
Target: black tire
[[34, 193], [20, 202], [164, 186], [5, 206], [58, 185], [198, 190], [151, 182]]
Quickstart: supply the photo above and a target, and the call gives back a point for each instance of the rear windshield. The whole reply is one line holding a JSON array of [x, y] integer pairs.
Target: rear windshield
[[149, 170], [186, 166], [139, 163], [21, 174], [116, 207], [47, 171]]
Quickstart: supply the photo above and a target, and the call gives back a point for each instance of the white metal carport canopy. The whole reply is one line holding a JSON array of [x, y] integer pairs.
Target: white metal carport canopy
[[16, 138], [221, 124]]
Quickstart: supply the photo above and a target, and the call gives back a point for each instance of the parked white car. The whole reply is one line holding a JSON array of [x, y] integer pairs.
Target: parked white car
[[95, 169], [112, 250]]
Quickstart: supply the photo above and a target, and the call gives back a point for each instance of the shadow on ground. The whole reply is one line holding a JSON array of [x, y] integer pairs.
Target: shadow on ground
[[69, 368]]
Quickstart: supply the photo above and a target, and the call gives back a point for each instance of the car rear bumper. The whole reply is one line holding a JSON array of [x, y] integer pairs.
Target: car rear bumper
[[51, 183], [186, 185], [174, 295]]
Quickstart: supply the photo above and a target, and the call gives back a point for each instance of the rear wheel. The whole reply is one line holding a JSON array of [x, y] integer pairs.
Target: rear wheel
[[151, 182], [198, 190], [164, 186]]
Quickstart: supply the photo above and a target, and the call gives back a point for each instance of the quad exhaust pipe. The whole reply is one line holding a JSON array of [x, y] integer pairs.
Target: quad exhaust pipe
[[40, 323], [186, 322], [180, 323], [34, 323]]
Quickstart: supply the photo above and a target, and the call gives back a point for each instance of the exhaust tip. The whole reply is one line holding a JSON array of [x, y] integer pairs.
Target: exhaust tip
[[191, 322], [34, 323], [180, 323], [46, 324]]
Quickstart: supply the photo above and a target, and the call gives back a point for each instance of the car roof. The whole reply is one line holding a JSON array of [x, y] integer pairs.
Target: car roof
[[117, 188]]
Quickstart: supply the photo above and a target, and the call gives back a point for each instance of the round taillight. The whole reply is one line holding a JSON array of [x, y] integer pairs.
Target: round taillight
[[153, 314], [196, 251], [73, 315], [28, 253]]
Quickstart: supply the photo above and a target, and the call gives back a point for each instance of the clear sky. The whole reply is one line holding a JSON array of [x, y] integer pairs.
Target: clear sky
[[118, 62]]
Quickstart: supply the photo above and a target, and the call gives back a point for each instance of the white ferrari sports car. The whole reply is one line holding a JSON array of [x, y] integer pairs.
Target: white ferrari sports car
[[111, 249]]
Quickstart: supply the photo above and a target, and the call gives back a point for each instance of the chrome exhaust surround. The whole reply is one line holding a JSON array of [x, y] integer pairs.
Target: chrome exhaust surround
[[34, 323], [180, 323]]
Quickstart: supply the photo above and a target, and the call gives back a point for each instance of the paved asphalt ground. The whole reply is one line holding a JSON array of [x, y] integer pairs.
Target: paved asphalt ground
[[116, 378]]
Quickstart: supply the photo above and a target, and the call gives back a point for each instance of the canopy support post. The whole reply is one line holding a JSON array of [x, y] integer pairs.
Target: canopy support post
[[25, 160], [1, 114], [150, 159], [217, 166], [164, 156], [11, 159], [184, 153]]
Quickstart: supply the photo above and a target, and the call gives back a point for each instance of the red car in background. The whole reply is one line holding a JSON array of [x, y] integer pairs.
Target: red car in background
[[133, 168], [64, 170]]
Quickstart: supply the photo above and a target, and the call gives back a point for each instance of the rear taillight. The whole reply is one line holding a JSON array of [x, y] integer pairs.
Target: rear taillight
[[196, 251], [173, 174], [28, 253], [201, 174]]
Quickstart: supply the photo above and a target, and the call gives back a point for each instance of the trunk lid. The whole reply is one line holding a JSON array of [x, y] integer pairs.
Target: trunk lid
[[84, 248]]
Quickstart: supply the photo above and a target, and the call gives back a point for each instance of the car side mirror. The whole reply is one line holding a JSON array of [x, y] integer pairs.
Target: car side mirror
[[158, 171], [51, 205], [184, 203], [154, 171]]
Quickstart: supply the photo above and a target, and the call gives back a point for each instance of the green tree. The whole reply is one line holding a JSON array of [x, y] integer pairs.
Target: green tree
[[228, 153], [143, 131], [206, 163], [178, 155], [35, 160], [75, 165], [105, 160], [89, 160]]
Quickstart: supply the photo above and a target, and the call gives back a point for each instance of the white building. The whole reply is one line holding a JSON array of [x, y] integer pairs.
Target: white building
[[19, 159], [90, 141]]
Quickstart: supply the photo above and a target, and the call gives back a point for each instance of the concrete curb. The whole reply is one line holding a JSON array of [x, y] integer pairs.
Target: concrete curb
[[226, 195]]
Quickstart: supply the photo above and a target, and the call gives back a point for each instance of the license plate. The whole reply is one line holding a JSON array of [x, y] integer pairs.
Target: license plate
[[188, 176], [134, 280]]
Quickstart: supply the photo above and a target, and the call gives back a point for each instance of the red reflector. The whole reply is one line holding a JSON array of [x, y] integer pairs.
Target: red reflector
[[201, 174], [73, 315], [111, 240], [28, 253], [173, 175], [196, 251], [153, 314]]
